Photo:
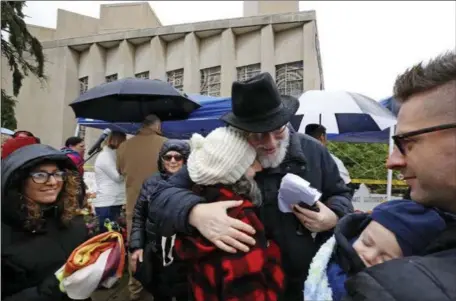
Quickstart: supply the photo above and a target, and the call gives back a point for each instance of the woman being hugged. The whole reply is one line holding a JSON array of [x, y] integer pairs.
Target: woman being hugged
[[40, 227]]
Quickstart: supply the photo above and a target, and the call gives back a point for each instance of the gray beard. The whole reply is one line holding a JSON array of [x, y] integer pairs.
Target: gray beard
[[249, 188], [274, 160]]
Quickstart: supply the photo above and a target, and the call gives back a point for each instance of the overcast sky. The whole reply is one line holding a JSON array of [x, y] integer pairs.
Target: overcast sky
[[364, 45]]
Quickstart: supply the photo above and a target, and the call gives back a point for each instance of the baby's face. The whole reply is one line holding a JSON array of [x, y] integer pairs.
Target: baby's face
[[376, 244]]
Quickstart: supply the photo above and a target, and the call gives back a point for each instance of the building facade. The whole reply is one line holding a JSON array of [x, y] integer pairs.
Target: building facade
[[128, 40]]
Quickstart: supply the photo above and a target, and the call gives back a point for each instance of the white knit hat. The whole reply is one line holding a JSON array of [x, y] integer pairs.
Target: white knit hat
[[222, 157]]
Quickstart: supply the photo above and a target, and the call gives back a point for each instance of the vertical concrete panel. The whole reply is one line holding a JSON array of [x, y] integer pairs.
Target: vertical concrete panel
[[70, 91], [112, 61], [311, 72], [126, 57], [288, 46], [210, 52], [142, 58], [267, 50], [228, 64], [248, 48], [175, 55], [191, 64], [97, 67], [157, 59], [84, 64]]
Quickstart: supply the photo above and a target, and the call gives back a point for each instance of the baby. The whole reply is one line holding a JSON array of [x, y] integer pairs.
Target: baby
[[395, 229]]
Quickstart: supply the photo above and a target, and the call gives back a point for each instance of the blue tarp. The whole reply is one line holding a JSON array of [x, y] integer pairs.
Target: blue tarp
[[206, 118]]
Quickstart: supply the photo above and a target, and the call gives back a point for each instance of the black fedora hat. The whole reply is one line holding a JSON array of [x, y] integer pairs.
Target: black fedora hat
[[258, 107]]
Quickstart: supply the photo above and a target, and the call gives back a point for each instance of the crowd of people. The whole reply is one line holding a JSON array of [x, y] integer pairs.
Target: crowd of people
[[202, 216]]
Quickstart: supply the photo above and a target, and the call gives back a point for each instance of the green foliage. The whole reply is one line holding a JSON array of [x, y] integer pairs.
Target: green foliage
[[363, 160], [22, 51], [8, 104]]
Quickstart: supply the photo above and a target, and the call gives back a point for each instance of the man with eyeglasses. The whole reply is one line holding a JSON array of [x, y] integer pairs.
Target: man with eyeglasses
[[425, 154], [263, 116]]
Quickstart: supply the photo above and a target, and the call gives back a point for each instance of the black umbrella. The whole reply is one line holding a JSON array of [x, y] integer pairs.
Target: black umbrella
[[131, 100]]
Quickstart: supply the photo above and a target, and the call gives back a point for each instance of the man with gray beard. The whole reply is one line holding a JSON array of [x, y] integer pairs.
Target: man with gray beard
[[263, 116], [223, 166]]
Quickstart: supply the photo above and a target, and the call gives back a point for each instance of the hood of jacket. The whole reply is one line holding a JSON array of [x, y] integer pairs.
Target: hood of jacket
[[22, 160], [180, 146], [348, 229]]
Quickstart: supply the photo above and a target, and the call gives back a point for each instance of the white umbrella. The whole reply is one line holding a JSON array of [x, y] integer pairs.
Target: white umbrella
[[346, 112], [343, 112]]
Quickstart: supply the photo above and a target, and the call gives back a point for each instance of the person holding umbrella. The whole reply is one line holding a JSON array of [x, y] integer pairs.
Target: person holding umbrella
[[263, 116]]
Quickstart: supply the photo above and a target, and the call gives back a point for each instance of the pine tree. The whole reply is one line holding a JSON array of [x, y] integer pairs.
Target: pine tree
[[23, 53]]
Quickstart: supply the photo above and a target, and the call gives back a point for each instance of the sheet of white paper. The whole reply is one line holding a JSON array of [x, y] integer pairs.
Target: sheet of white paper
[[293, 190]]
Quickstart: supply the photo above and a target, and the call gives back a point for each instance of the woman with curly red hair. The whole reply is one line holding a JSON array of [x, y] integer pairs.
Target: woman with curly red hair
[[40, 226]]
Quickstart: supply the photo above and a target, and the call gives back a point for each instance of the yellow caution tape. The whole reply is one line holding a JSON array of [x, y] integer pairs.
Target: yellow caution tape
[[378, 182]]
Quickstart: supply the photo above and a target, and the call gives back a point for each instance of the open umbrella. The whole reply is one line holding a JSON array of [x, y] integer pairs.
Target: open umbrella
[[342, 112], [131, 100]]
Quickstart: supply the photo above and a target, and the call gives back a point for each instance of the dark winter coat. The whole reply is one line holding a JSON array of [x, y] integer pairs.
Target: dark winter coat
[[431, 277], [31, 257], [170, 280], [307, 158]]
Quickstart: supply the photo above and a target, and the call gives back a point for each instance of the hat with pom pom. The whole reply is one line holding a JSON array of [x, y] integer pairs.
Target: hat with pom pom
[[223, 157]]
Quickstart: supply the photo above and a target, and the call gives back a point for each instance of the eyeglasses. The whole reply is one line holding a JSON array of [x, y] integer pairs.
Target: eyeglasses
[[401, 139], [41, 177], [260, 136], [177, 158]]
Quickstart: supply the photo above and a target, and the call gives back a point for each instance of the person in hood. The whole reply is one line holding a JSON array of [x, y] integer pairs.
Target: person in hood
[[23, 134], [16, 143], [40, 227], [145, 239], [395, 229], [75, 149]]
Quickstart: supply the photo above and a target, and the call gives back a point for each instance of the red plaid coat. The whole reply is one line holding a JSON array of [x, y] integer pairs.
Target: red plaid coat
[[216, 275]]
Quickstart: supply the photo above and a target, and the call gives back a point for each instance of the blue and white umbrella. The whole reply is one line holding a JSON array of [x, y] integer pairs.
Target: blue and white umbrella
[[343, 112]]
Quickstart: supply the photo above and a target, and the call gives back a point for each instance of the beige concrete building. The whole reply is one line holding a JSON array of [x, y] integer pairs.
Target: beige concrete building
[[129, 40]]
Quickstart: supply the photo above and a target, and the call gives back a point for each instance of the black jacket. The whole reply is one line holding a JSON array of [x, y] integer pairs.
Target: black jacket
[[30, 258], [162, 281], [431, 277], [306, 157], [347, 230]]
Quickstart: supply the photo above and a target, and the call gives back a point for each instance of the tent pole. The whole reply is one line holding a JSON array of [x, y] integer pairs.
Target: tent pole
[[319, 119], [76, 132], [389, 184]]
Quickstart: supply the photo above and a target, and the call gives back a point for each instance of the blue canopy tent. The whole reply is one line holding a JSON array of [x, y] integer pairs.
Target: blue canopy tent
[[206, 118]]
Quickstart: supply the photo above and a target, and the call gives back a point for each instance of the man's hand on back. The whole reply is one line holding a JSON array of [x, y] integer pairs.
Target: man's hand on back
[[227, 233]]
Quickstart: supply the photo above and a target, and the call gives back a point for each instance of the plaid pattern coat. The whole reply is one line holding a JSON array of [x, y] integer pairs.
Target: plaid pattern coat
[[216, 275]]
